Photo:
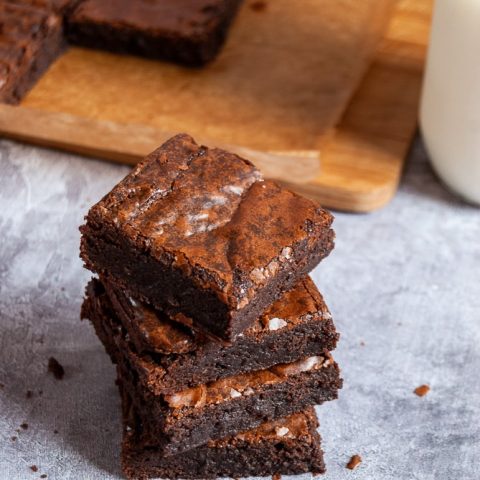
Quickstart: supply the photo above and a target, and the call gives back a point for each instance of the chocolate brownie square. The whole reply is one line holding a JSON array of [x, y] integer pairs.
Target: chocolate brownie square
[[286, 446], [31, 38], [168, 356], [197, 233], [190, 418], [190, 32]]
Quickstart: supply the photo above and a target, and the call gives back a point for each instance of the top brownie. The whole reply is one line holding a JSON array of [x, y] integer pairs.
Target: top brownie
[[198, 233]]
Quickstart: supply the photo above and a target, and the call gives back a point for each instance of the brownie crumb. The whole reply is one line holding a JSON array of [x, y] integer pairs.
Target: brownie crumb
[[362, 344], [43, 475], [55, 431], [40, 392], [13, 439], [258, 6], [276, 476], [34, 468], [354, 462], [24, 425], [29, 394], [55, 368], [2, 385], [422, 390]]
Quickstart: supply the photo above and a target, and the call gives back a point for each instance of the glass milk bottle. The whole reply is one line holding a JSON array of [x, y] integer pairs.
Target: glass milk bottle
[[450, 107]]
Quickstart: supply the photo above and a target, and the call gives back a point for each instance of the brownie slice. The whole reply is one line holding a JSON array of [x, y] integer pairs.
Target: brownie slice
[[197, 233], [190, 32], [287, 446], [31, 38], [168, 357], [189, 418]]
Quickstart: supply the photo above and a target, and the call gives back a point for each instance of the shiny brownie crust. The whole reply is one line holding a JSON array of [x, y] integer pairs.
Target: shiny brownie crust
[[186, 31], [196, 232], [287, 446], [168, 357]]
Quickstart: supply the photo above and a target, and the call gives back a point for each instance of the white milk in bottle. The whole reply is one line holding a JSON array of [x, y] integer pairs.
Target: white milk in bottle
[[450, 107]]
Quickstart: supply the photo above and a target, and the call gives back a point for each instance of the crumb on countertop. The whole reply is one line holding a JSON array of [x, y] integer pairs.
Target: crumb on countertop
[[422, 390], [354, 462], [55, 368]]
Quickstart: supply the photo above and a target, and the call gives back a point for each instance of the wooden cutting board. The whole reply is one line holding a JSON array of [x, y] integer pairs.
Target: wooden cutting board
[[339, 79]]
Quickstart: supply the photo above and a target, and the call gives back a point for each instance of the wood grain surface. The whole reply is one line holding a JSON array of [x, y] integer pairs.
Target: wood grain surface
[[129, 143], [281, 82], [291, 83]]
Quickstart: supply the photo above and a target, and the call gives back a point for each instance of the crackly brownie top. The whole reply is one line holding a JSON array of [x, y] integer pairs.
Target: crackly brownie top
[[165, 336], [187, 17], [210, 212]]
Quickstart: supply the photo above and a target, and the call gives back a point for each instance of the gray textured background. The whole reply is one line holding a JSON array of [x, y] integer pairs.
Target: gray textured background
[[405, 281]]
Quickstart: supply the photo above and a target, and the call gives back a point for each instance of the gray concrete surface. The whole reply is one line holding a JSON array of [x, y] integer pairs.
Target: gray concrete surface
[[403, 285]]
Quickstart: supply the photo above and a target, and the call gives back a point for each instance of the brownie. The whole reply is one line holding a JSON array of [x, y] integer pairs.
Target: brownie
[[189, 418], [287, 446], [168, 356], [31, 38], [197, 233], [190, 32]]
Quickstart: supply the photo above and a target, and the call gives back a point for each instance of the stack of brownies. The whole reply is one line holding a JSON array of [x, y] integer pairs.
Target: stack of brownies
[[203, 302]]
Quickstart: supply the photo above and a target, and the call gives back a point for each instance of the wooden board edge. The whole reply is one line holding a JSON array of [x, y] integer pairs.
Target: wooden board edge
[[128, 144]]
